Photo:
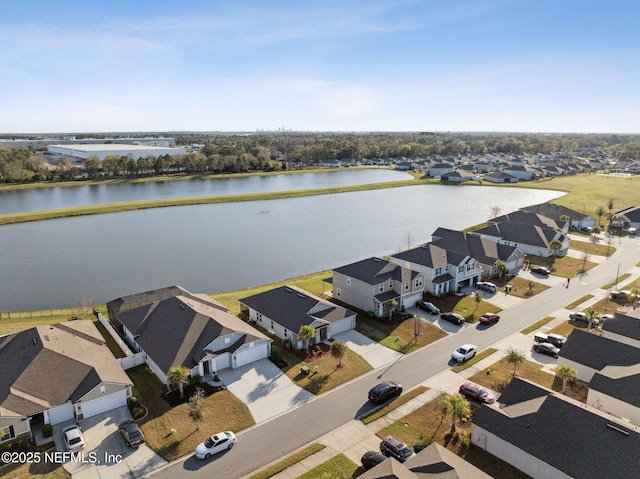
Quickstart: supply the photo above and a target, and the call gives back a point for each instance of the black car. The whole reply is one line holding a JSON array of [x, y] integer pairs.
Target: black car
[[541, 270], [546, 348], [428, 307], [392, 447], [372, 459], [131, 433], [384, 391], [454, 318]]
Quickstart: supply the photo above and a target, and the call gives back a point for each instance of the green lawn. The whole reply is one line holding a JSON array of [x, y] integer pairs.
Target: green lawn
[[566, 266], [537, 325], [595, 247], [288, 462], [579, 301], [338, 467], [613, 283], [399, 337], [396, 403]]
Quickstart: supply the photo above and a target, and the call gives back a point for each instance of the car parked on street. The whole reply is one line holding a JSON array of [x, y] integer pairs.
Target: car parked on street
[[464, 352], [372, 459], [454, 318], [582, 318], [541, 270], [131, 433], [428, 307], [219, 442], [489, 318], [556, 339], [546, 348], [73, 438], [622, 294], [473, 391], [487, 286], [392, 447], [385, 391]]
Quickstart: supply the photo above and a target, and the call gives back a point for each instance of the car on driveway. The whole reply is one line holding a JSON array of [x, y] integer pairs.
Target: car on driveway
[[222, 441], [605, 317], [131, 433], [454, 318], [73, 438], [489, 318], [487, 286], [546, 348], [392, 447], [428, 307], [473, 391], [372, 459], [623, 294], [541, 270], [556, 339], [464, 352], [384, 391]]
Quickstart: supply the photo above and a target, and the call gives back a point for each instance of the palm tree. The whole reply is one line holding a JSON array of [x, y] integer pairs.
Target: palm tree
[[593, 316], [567, 373], [555, 245], [307, 332], [178, 376], [456, 405], [338, 350], [600, 213], [392, 305], [502, 268], [515, 357], [477, 297]]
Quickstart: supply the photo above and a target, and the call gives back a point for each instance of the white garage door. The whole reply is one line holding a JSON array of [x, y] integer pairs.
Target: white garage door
[[104, 403], [223, 361], [61, 413], [343, 325], [250, 355]]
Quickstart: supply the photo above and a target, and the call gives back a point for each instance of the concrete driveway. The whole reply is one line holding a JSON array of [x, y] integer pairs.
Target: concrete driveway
[[106, 453], [264, 388], [372, 352]]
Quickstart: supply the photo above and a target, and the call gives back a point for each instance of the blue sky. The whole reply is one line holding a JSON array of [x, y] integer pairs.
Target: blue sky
[[406, 65]]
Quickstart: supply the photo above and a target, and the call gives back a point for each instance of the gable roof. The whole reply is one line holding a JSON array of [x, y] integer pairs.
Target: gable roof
[[520, 233], [482, 249], [569, 436], [597, 352], [620, 382], [293, 307], [624, 324], [34, 361], [375, 271], [526, 218], [429, 254], [555, 212], [175, 331], [632, 214]]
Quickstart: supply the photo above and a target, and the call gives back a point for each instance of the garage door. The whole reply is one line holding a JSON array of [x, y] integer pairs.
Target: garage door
[[343, 325], [104, 403], [61, 413], [223, 361], [250, 355]]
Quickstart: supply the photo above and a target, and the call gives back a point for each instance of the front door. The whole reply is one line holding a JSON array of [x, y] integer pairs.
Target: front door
[[206, 367], [323, 334]]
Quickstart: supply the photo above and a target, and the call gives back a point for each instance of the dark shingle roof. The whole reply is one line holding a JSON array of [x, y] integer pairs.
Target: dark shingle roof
[[632, 213], [555, 212], [622, 383], [526, 218], [482, 249], [520, 233], [569, 437], [370, 270], [624, 325], [597, 352], [429, 255]]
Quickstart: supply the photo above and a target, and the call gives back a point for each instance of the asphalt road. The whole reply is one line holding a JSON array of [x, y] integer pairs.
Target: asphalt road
[[270, 441]]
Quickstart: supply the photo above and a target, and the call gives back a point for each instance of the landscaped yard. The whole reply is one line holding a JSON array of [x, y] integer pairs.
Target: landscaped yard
[[338, 466], [222, 412], [566, 266], [399, 337], [466, 306], [594, 246]]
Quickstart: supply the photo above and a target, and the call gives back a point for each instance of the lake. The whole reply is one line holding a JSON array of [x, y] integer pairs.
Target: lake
[[221, 247]]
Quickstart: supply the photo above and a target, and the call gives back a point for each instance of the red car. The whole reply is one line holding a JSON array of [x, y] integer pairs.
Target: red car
[[489, 318], [473, 391]]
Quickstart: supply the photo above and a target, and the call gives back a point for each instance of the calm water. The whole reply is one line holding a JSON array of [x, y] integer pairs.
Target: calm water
[[211, 248], [58, 197]]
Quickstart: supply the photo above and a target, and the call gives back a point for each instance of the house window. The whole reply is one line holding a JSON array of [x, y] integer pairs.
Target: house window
[[461, 268], [348, 280], [390, 284], [338, 292], [272, 325], [419, 282], [259, 316], [286, 333], [6, 433], [381, 287], [406, 285]]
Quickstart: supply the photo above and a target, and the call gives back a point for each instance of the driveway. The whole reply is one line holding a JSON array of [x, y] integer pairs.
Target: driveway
[[372, 352], [111, 457], [264, 388]]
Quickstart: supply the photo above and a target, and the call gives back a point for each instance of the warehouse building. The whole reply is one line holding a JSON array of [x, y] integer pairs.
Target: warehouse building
[[82, 152]]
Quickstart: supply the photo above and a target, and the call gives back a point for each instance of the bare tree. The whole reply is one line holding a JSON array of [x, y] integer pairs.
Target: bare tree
[[84, 307]]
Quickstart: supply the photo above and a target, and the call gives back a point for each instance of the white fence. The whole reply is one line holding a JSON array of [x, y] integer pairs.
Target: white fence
[[132, 361], [114, 334]]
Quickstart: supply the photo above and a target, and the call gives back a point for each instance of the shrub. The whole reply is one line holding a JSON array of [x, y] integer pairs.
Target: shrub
[[47, 430], [465, 438], [195, 380], [133, 401], [23, 444], [420, 444]]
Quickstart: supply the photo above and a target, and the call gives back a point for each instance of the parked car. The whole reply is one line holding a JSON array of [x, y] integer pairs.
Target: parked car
[[546, 348], [622, 294], [73, 438], [473, 391], [605, 317], [131, 433], [428, 307], [384, 391], [219, 442], [582, 318], [372, 459], [464, 352], [586, 229], [392, 447], [454, 318], [487, 286], [541, 270], [632, 231], [489, 318], [556, 339]]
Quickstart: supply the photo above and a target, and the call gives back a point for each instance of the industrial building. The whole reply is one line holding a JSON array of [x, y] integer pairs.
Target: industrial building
[[101, 151]]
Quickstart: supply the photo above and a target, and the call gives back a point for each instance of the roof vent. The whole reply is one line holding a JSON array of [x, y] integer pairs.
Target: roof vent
[[288, 290], [302, 296], [181, 306], [46, 337], [626, 433], [377, 260], [35, 341]]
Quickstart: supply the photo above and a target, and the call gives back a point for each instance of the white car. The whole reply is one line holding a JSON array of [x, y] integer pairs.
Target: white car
[[464, 352], [73, 439], [215, 444]]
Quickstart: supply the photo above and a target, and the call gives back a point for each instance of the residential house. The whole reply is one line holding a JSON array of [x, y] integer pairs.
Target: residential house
[[485, 251], [439, 169], [557, 212], [547, 435], [405, 165], [535, 219], [629, 217], [459, 176], [372, 284], [589, 353], [623, 327], [189, 330], [615, 390], [522, 172], [434, 461], [55, 373], [284, 310], [500, 177], [444, 270]]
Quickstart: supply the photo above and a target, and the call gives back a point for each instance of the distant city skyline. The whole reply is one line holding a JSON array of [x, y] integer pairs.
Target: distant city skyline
[[353, 66]]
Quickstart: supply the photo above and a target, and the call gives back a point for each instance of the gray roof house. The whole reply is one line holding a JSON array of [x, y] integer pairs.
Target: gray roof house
[[530, 239], [629, 217], [500, 177], [623, 327], [284, 310], [191, 330], [55, 373], [549, 436], [556, 212], [589, 353], [371, 284], [615, 390], [523, 173]]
